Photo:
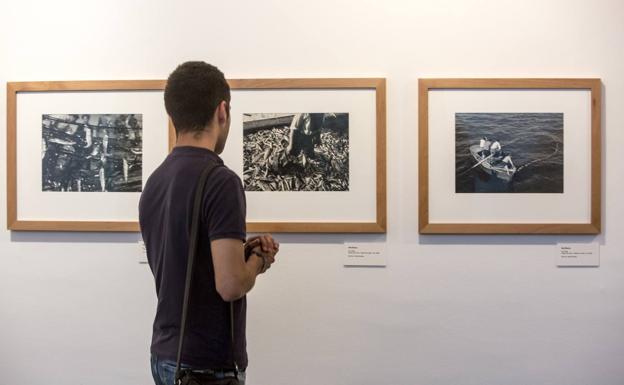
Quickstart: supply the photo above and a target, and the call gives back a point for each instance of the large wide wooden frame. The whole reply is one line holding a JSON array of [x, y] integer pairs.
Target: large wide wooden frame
[[377, 84], [13, 89], [592, 227]]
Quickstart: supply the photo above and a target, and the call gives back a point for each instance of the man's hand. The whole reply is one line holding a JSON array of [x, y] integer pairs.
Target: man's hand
[[265, 241], [235, 276], [265, 247], [267, 258]]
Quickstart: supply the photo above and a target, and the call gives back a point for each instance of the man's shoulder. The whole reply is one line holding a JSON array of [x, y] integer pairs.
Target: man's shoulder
[[223, 172], [224, 178]]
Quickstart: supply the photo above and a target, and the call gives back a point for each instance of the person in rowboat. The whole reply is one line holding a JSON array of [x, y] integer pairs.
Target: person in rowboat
[[508, 163], [484, 144], [495, 148]]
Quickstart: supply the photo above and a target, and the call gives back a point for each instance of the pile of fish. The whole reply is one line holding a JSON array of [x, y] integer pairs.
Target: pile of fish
[[267, 166]]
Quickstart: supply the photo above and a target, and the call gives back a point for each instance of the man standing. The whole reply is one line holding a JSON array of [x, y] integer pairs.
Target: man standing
[[305, 134], [197, 99]]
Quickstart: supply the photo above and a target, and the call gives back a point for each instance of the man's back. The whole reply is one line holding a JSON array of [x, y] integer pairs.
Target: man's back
[[164, 214]]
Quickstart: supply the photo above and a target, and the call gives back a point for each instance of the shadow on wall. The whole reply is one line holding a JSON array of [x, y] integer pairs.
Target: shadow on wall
[[119, 237], [73, 237], [331, 239], [507, 239], [327, 239]]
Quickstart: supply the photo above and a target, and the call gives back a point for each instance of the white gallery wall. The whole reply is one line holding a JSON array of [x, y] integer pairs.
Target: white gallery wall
[[77, 308]]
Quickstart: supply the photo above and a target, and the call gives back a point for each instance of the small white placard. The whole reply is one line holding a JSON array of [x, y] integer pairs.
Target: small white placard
[[578, 254], [365, 254]]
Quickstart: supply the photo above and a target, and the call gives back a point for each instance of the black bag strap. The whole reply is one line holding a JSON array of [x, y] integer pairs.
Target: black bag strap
[[192, 251]]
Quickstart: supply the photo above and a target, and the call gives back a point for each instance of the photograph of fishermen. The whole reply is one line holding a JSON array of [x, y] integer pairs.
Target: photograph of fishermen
[[92, 152], [296, 151], [509, 153]]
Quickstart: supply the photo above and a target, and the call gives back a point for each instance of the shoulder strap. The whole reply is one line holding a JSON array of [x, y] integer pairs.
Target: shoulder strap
[[192, 251]]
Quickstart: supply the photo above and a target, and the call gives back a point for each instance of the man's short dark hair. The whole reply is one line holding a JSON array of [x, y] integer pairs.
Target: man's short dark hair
[[193, 92]]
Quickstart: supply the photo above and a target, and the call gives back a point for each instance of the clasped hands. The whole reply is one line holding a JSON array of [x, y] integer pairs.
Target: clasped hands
[[265, 247]]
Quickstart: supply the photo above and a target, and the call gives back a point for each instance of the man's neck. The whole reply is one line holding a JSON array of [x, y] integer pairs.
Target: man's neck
[[202, 139]]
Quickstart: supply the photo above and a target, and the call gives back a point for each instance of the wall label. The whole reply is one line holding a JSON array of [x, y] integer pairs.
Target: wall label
[[365, 254], [578, 254]]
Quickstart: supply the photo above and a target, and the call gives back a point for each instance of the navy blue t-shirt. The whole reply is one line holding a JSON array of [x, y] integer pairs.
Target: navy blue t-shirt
[[165, 217]]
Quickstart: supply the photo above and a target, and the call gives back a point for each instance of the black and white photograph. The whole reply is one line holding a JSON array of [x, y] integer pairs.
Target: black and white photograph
[[92, 152], [296, 151], [509, 153]]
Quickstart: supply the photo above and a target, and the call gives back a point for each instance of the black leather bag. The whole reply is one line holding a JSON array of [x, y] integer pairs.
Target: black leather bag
[[193, 378], [185, 376]]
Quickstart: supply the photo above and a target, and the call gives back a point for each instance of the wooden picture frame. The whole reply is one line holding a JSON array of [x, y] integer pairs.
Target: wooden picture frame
[[14, 89], [378, 85], [590, 225]]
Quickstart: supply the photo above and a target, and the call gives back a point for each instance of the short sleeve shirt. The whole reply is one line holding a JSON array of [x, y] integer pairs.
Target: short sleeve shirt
[[165, 216]]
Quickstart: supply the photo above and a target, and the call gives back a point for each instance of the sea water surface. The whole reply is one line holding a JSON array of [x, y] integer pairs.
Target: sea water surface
[[535, 138]]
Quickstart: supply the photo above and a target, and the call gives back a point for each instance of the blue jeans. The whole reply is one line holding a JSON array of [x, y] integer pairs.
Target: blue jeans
[[163, 372]]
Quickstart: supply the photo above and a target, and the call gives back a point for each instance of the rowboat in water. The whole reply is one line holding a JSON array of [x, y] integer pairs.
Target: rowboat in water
[[492, 166]]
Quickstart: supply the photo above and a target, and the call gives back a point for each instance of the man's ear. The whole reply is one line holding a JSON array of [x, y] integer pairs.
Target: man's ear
[[222, 112]]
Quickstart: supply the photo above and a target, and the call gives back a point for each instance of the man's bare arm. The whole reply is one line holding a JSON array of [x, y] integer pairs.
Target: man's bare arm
[[235, 277]]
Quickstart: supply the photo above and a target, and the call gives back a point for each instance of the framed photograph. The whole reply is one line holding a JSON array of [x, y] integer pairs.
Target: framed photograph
[[509, 156], [78, 153], [311, 153]]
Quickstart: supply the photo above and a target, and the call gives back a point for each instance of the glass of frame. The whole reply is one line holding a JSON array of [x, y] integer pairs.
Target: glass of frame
[[509, 156], [311, 153], [79, 152]]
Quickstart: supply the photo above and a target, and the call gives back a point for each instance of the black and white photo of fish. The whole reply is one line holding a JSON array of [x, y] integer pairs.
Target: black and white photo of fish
[[92, 152], [296, 151]]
